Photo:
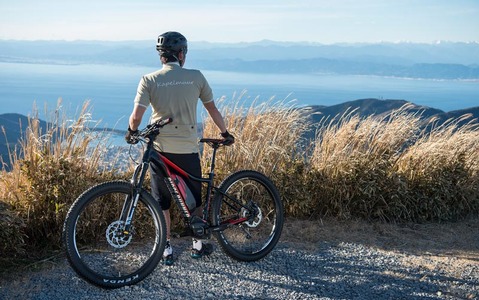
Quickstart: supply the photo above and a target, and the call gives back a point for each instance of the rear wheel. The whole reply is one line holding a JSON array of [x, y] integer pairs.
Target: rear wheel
[[97, 245], [248, 205]]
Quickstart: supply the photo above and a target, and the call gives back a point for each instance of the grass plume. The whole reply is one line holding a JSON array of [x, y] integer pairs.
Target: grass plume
[[391, 168]]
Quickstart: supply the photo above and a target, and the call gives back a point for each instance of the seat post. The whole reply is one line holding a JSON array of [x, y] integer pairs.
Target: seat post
[[213, 158], [211, 177]]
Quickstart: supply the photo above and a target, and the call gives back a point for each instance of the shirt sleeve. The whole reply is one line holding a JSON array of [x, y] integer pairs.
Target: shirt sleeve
[[143, 93], [206, 94]]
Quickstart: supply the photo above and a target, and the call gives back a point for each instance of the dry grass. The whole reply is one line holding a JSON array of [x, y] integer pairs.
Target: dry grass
[[54, 166], [387, 168], [441, 170], [391, 169], [267, 136], [384, 168]]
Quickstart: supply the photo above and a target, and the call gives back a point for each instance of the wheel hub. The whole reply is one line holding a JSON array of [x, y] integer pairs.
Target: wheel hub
[[256, 219], [116, 236]]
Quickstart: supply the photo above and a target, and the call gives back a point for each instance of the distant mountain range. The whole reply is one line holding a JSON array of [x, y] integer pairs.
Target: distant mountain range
[[12, 128], [376, 107], [15, 124], [441, 60]]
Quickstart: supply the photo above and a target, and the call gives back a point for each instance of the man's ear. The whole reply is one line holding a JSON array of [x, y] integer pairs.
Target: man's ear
[[181, 58]]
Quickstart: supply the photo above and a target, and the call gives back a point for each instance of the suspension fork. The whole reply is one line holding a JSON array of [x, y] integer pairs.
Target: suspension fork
[[131, 200]]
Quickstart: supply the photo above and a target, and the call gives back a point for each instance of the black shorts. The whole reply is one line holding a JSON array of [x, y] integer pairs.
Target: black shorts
[[188, 162]]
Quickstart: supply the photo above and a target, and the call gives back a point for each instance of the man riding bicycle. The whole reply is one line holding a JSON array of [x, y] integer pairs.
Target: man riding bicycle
[[173, 92]]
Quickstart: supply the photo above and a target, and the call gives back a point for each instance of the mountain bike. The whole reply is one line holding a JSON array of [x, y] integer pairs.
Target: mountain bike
[[115, 233]]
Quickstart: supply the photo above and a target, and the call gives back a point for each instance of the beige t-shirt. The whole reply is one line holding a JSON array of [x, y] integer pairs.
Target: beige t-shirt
[[173, 92]]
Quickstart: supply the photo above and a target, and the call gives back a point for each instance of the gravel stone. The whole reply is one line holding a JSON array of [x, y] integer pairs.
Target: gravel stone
[[341, 271]]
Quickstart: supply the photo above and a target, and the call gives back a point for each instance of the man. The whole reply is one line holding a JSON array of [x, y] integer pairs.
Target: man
[[173, 91]]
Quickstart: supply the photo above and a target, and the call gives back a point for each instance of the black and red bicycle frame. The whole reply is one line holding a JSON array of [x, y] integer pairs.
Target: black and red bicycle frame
[[169, 171]]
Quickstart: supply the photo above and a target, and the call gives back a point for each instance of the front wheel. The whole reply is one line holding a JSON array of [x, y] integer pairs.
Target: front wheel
[[249, 208], [99, 247]]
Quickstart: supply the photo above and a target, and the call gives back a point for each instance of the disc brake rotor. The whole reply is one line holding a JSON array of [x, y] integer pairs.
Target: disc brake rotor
[[257, 219], [115, 235]]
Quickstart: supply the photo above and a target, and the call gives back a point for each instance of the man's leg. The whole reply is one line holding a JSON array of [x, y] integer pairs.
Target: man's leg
[[161, 194], [166, 213], [191, 164]]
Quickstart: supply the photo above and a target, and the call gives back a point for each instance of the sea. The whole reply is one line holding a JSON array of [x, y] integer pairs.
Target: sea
[[110, 89]]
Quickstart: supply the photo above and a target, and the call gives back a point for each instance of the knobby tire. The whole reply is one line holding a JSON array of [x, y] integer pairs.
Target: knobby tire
[[256, 238], [94, 250]]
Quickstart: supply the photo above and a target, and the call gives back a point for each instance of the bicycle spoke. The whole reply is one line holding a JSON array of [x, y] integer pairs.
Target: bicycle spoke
[[111, 252], [252, 208], [98, 245]]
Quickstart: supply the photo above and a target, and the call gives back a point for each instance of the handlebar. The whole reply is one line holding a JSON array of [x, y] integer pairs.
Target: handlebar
[[154, 128], [151, 131]]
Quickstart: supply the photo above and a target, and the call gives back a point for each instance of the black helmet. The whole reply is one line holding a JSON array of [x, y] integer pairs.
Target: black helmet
[[171, 43]]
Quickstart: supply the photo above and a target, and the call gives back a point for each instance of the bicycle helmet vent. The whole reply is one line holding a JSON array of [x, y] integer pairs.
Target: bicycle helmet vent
[[171, 43]]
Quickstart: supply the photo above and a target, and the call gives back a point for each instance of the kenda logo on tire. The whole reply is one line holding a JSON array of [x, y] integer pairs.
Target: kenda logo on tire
[[120, 281]]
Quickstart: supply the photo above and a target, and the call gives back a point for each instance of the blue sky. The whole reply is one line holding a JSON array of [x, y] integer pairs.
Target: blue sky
[[318, 21]]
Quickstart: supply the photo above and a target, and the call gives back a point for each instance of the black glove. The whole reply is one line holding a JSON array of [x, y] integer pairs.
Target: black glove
[[130, 136], [228, 138]]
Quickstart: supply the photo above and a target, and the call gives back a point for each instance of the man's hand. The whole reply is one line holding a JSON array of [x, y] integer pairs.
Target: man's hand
[[130, 136], [228, 138]]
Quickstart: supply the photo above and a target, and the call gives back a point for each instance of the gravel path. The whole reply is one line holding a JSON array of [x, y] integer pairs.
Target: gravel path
[[326, 271]]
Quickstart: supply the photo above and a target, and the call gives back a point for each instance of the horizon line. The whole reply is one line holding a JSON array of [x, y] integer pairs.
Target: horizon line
[[433, 42]]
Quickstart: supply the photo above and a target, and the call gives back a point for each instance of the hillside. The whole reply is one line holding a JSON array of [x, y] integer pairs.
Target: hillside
[[11, 124], [367, 107], [12, 127]]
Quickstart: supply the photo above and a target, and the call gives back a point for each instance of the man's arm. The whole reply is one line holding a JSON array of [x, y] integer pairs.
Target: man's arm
[[228, 139], [215, 115], [136, 116]]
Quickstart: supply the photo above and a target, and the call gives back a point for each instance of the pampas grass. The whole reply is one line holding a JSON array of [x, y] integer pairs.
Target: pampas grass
[[267, 135], [391, 168], [54, 166]]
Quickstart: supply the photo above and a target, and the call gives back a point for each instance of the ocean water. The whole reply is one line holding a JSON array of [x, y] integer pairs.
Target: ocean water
[[111, 89]]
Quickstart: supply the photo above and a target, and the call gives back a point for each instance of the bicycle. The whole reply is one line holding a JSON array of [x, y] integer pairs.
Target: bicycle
[[114, 233]]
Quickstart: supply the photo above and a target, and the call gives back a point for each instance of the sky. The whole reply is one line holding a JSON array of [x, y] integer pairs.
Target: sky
[[316, 21]]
